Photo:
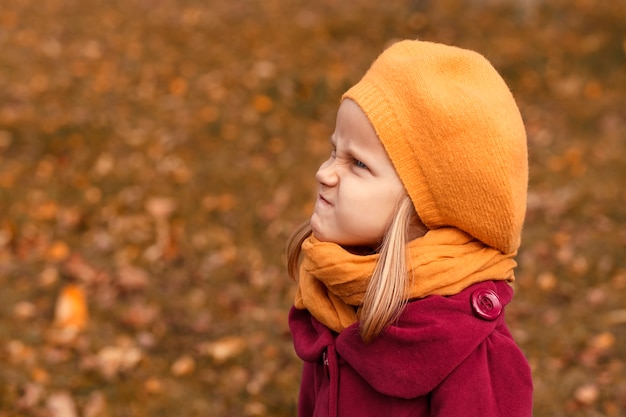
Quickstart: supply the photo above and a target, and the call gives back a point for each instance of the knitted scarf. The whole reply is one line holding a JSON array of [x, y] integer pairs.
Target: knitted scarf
[[333, 281]]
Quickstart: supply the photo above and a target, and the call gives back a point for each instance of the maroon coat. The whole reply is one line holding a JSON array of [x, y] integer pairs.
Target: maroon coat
[[445, 356]]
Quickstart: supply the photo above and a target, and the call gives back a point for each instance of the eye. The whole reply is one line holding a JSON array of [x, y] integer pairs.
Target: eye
[[359, 164]]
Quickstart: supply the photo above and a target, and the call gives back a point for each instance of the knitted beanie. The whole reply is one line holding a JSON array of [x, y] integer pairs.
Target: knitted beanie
[[455, 136]]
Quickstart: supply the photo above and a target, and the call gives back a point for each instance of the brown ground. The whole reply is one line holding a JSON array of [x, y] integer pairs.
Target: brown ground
[[156, 154]]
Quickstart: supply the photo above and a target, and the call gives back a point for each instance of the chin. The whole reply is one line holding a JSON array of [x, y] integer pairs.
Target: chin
[[316, 230], [320, 237]]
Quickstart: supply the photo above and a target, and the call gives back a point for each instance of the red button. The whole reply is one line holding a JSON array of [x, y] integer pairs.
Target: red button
[[486, 304]]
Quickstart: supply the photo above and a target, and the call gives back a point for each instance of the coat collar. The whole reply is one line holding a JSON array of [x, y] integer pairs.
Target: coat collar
[[414, 355]]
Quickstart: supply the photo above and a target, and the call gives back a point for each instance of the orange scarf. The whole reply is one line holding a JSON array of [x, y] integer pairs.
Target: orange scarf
[[333, 281]]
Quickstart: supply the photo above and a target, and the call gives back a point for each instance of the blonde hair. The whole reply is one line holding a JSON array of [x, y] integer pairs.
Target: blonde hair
[[385, 296]]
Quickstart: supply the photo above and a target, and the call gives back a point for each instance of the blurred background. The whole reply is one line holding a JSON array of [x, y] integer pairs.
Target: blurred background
[[156, 154]]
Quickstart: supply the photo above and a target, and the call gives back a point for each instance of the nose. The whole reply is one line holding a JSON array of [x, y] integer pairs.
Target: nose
[[327, 174]]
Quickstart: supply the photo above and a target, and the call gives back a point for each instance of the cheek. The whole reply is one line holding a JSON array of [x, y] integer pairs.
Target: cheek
[[374, 209], [382, 211], [386, 203]]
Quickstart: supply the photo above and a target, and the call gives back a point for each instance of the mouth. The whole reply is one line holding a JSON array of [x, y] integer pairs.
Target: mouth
[[323, 200]]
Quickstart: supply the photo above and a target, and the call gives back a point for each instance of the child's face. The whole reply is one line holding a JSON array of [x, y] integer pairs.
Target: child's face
[[358, 186]]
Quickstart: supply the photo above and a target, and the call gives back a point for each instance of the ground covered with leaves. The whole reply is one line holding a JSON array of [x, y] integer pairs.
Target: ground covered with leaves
[[155, 155]]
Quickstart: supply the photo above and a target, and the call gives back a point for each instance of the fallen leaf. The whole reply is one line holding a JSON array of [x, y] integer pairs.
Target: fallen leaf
[[587, 394], [71, 312], [61, 404], [263, 103], [96, 405], [160, 207], [132, 278], [184, 365], [226, 348], [153, 386], [57, 251], [113, 360]]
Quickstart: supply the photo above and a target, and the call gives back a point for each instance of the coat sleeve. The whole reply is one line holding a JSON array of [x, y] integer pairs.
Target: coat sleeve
[[494, 381]]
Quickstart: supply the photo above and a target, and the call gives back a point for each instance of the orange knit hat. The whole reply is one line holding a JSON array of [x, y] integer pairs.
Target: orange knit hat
[[455, 136]]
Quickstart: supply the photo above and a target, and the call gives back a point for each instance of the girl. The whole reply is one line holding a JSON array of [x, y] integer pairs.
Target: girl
[[403, 268]]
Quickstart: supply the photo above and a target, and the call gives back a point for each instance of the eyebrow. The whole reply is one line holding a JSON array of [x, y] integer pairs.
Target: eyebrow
[[349, 150]]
